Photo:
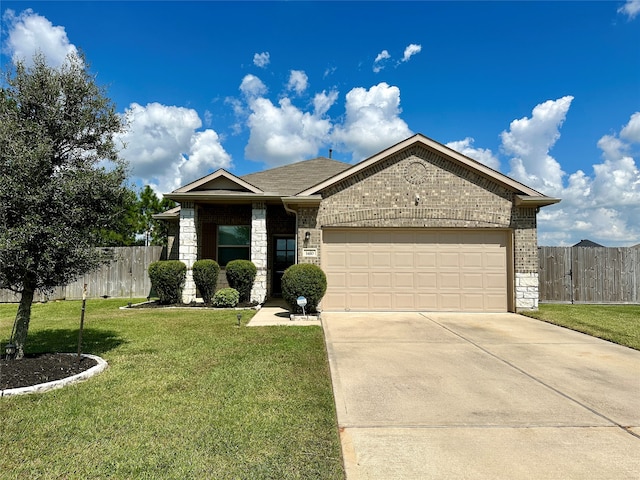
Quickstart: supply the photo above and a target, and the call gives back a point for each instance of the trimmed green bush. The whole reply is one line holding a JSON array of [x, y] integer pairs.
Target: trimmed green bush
[[226, 298], [306, 280], [205, 276], [240, 275], [167, 278]]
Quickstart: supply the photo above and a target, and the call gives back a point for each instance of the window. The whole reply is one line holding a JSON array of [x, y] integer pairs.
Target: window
[[234, 243]]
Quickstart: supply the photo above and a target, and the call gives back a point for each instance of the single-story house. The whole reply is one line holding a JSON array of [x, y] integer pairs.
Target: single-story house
[[416, 227]]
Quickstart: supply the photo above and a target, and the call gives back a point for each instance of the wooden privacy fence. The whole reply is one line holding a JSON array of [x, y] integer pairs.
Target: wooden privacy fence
[[589, 275], [124, 276]]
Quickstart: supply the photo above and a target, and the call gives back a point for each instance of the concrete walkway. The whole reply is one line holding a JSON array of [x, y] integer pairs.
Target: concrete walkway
[[481, 396], [275, 312]]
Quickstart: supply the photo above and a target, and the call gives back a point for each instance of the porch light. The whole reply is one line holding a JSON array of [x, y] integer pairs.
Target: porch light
[[307, 236], [10, 350]]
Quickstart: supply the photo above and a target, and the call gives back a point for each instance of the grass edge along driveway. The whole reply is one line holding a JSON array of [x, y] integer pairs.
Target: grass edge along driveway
[[187, 395], [616, 323]]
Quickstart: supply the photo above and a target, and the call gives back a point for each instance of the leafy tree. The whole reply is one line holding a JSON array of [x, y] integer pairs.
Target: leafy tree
[[125, 231], [61, 179], [154, 231]]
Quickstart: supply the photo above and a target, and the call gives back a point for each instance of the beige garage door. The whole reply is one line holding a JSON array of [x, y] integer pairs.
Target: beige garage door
[[415, 270]]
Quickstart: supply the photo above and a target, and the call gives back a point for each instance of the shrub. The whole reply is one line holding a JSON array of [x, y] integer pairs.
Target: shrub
[[167, 278], [240, 275], [307, 280], [205, 276], [226, 298]]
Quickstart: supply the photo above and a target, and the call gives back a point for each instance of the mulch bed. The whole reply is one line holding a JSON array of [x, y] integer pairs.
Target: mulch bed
[[41, 368], [157, 304]]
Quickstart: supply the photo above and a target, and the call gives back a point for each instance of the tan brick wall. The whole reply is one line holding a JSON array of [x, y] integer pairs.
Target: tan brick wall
[[418, 188]]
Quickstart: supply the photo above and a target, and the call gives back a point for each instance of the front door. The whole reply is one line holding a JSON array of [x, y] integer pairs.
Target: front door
[[284, 256]]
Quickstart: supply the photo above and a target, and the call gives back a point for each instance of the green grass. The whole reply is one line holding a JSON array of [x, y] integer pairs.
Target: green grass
[[187, 395], [616, 323]]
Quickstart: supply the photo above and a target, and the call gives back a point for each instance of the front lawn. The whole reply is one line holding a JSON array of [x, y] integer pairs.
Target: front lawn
[[187, 395], [616, 323]]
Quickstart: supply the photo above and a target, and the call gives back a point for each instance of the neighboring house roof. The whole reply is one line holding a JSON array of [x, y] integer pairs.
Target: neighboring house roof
[[587, 243]]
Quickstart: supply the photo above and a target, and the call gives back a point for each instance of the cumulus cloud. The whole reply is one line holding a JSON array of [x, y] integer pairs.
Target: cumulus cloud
[[297, 81], [410, 51], [631, 9], [529, 141], [372, 121], [482, 155], [261, 59], [282, 134], [164, 148], [252, 86], [29, 33], [379, 62], [604, 206]]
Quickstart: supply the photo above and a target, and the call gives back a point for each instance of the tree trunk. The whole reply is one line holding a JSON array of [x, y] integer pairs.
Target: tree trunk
[[22, 320]]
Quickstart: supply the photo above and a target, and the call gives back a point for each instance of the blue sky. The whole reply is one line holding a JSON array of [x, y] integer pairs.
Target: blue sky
[[546, 92]]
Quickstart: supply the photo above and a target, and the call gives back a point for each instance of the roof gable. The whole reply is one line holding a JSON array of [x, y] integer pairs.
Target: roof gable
[[528, 195], [219, 180]]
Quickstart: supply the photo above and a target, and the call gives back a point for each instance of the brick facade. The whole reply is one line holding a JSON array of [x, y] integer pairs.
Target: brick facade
[[418, 188]]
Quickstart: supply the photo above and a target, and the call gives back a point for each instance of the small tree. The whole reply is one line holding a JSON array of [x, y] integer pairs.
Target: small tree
[[306, 280], [205, 276], [61, 179], [240, 275]]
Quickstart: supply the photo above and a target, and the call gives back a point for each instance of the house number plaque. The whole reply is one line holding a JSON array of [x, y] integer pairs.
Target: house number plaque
[[310, 252]]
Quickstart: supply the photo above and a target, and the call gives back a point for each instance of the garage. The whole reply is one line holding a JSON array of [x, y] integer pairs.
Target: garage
[[416, 270]]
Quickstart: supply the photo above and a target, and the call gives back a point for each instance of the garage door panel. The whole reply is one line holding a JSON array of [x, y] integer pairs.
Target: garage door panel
[[381, 301], [403, 260], [358, 280], [421, 269], [449, 259], [403, 280], [336, 260], [381, 280], [358, 259], [449, 280], [380, 260], [473, 281]]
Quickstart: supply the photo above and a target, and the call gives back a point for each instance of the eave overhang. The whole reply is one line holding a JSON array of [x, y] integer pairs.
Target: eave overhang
[[534, 201]]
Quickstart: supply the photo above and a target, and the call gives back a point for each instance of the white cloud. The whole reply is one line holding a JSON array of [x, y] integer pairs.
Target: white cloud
[[631, 131], [482, 155], [372, 121], [378, 63], [284, 134], [261, 59], [164, 148], [529, 141], [322, 102], [297, 81], [252, 86], [410, 51], [605, 207], [631, 8], [29, 33]]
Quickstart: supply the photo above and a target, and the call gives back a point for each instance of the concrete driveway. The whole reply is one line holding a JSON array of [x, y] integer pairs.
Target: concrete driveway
[[481, 396]]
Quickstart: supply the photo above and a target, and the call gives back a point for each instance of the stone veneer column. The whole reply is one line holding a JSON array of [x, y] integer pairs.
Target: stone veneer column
[[188, 250], [259, 250], [526, 291]]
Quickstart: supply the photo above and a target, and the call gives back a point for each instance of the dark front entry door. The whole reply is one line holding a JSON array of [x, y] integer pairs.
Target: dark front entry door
[[284, 257]]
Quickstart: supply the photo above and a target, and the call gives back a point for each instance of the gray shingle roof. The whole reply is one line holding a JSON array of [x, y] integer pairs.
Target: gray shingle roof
[[296, 177]]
